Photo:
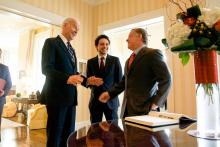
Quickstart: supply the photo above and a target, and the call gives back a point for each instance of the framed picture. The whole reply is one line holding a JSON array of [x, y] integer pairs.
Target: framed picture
[[82, 66]]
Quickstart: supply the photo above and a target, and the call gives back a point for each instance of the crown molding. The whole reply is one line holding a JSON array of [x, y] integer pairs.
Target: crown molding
[[23, 9], [95, 2]]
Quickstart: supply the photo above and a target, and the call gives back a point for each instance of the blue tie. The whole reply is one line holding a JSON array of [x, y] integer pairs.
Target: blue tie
[[71, 51]]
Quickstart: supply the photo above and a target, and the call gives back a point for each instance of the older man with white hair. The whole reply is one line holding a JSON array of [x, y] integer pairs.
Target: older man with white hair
[[59, 65]]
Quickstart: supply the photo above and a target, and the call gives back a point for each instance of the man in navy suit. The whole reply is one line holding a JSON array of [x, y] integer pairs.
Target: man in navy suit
[[108, 68], [147, 79], [5, 77], [59, 65]]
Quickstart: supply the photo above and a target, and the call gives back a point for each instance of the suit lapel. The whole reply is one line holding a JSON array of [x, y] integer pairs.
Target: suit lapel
[[136, 60], [96, 63], [64, 48], [126, 67], [107, 63]]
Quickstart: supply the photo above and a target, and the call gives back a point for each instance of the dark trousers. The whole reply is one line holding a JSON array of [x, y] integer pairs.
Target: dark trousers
[[98, 109], [2, 102], [60, 124]]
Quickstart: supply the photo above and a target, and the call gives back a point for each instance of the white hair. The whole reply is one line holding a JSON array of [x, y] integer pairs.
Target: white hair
[[72, 21]]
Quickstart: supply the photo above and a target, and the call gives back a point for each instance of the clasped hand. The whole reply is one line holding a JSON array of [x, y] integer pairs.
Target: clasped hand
[[2, 92], [75, 79], [94, 81]]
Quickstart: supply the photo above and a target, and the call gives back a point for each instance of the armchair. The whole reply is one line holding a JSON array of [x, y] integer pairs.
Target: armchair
[[37, 117], [9, 108]]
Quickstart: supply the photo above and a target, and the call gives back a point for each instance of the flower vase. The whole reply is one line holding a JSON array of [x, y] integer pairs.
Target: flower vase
[[207, 94]]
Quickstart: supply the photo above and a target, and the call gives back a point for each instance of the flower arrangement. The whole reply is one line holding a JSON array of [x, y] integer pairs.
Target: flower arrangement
[[195, 29]]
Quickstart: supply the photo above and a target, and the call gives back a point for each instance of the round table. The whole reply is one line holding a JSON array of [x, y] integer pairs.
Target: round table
[[119, 134]]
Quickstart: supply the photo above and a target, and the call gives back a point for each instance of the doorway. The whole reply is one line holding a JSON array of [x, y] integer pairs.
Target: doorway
[[118, 37]]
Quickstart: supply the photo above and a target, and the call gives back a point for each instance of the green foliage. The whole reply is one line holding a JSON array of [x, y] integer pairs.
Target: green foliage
[[164, 41], [18, 94], [184, 57]]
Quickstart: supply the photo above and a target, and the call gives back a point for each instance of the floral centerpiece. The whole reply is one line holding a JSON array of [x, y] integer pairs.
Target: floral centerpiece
[[197, 31], [194, 29]]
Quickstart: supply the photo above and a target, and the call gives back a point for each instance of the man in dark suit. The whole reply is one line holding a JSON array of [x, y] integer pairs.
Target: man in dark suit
[[59, 65], [146, 81], [108, 68], [5, 80]]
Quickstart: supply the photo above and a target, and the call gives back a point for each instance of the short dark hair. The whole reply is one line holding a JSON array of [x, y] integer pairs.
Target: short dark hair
[[143, 33], [100, 37]]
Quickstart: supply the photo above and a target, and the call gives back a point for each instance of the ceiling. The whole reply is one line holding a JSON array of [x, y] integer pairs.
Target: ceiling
[[95, 2], [15, 23], [11, 22]]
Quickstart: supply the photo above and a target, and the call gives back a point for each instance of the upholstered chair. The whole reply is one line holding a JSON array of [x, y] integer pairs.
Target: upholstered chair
[[37, 117], [9, 108]]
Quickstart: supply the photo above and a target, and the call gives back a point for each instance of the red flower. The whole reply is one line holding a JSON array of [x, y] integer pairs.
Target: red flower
[[190, 21], [217, 26]]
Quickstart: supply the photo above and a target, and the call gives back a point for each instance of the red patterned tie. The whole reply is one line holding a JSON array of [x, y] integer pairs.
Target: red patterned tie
[[131, 59], [102, 65]]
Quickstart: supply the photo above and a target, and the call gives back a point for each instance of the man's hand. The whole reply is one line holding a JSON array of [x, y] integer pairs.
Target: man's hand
[[104, 97], [94, 81], [2, 92], [75, 79], [105, 126], [154, 107]]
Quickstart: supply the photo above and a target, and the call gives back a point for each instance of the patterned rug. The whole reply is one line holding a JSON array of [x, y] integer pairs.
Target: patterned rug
[[6, 123]]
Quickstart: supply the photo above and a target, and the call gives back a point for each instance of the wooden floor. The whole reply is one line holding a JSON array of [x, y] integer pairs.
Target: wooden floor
[[22, 136]]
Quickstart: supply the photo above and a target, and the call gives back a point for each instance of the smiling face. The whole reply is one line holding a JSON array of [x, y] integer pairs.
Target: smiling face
[[70, 28], [102, 46]]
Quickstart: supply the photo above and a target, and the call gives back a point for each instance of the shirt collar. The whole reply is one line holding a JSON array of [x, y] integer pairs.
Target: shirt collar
[[138, 49], [63, 39], [105, 56]]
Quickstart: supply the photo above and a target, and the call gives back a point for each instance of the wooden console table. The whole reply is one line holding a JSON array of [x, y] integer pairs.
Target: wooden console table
[[25, 104]]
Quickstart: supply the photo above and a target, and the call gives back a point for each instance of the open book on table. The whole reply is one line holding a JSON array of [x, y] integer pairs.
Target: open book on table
[[152, 129], [159, 119]]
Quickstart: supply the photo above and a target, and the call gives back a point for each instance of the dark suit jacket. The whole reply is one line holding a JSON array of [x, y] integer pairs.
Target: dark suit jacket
[[111, 76], [148, 81], [5, 75], [57, 66]]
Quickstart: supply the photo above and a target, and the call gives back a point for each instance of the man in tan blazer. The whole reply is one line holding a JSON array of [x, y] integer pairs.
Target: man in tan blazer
[[146, 80]]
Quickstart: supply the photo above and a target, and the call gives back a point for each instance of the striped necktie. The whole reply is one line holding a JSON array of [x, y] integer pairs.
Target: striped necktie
[[71, 51]]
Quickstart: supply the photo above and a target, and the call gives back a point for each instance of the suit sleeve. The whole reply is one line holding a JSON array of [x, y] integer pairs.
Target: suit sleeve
[[163, 77], [117, 89], [48, 63], [118, 71], [88, 74], [8, 82]]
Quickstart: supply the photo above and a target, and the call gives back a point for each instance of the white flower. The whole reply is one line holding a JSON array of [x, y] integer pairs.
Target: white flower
[[210, 17], [177, 34]]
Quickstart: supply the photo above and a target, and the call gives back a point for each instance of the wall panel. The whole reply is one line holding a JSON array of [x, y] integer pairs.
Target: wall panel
[[83, 42], [182, 95]]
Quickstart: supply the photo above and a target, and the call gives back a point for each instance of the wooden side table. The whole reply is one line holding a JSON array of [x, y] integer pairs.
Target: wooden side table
[[25, 104]]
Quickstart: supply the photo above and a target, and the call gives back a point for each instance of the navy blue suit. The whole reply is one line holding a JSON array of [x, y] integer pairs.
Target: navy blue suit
[[60, 98], [111, 75], [5, 75]]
